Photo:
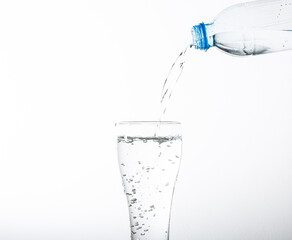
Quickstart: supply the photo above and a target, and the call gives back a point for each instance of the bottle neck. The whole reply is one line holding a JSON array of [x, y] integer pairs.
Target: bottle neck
[[202, 39]]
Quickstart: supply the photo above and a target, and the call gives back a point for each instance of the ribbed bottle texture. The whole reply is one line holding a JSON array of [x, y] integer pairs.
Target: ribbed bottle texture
[[250, 28]]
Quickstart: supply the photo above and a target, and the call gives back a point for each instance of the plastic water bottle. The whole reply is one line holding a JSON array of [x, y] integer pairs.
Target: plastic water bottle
[[250, 28]]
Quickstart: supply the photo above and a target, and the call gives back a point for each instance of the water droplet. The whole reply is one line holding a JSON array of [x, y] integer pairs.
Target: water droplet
[[133, 200], [128, 139]]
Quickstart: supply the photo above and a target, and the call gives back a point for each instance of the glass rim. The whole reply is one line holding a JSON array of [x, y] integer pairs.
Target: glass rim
[[148, 122]]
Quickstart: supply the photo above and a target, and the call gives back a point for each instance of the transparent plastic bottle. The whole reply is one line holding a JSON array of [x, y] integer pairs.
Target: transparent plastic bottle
[[249, 28]]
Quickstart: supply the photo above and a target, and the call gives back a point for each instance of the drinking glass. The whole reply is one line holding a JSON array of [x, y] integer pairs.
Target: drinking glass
[[149, 155]]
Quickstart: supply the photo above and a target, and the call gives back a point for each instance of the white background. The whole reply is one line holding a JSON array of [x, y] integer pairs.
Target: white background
[[70, 69]]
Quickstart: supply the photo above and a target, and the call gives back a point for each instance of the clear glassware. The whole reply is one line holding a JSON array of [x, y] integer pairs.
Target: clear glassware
[[149, 155]]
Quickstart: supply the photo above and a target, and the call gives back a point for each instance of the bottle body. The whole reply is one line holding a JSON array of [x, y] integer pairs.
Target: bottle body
[[250, 28]]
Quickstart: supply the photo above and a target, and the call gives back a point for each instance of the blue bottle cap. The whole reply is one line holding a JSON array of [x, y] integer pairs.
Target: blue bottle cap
[[200, 39]]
